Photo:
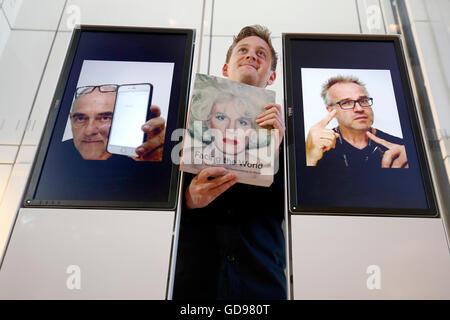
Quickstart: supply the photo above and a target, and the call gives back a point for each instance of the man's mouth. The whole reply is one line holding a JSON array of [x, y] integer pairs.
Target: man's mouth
[[361, 118], [92, 141], [249, 65]]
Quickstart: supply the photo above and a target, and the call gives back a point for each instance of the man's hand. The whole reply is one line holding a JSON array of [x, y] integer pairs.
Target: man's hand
[[320, 140], [395, 151], [207, 186], [273, 117], [155, 128]]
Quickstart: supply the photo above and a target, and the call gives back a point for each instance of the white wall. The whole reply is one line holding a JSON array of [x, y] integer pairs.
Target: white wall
[[430, 23]]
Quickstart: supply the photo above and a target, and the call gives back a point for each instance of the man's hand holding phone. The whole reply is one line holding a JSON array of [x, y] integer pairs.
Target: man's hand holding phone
[[155, 130]]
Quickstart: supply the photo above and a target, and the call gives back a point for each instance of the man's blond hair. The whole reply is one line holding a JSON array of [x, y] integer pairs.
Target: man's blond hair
[[258, 31]]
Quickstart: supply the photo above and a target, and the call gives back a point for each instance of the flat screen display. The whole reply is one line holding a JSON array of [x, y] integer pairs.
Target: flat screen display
[[354, 143], [107, 141]]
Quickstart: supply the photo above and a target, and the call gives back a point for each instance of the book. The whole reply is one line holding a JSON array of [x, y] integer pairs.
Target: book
[[221, 130]]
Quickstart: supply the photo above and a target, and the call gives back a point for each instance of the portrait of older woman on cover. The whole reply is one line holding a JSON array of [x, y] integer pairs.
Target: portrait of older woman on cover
[[222, 125]]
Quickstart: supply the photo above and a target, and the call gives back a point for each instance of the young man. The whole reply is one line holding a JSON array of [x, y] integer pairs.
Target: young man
[[354, 143], [231, 243]]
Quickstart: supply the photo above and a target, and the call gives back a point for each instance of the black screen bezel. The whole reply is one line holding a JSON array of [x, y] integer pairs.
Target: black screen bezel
[[293, 206], [30, 201]]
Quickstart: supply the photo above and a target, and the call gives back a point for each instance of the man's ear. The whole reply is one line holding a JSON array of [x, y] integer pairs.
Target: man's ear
[[225, 70], [272, 78], [330, 108]]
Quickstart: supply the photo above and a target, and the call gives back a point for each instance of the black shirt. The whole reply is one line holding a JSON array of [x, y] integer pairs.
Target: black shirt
[[234, 248], [346, 155]]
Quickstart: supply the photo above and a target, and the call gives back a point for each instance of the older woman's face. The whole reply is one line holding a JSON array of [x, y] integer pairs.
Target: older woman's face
[[231, 130]]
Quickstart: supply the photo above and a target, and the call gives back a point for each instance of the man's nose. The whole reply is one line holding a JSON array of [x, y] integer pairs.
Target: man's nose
[[251, 55], [91, 128], [358, 107]]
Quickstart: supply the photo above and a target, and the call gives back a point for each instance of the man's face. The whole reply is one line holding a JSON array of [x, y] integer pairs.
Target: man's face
[[91, 120], [358, 118], [231, 129], [250, 63]]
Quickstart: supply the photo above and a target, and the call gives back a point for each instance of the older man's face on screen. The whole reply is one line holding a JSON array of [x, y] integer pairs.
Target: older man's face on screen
[[358, 118], [91, 120]]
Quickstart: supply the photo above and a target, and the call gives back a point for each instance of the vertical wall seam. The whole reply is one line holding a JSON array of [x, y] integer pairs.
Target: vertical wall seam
[[359, 18], [210, 36], [200, 37]]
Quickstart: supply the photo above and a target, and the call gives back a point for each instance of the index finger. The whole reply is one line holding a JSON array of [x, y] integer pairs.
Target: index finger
[[325, 121], [211, 172], [155, 111], [273, 105], [379, 140]]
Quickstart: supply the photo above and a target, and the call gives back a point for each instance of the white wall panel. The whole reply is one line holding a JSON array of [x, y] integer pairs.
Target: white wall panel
[[204, 55], [435, 81], [208, 17], [11, 9], [371, 16], [5, 171], [8, 154], [11, 201], [142, 13], [445, 146], [331, 256], [21, 66], [219, 47], [4, 32], [447, 167], [120, 254], [47, 89], [32, 14], [326, 16], [26, 154], [417, 10]]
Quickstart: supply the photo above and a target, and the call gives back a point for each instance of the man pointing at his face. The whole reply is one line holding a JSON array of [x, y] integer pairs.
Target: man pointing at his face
[[354, 143]]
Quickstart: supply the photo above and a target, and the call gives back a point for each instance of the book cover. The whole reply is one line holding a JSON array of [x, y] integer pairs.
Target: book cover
[[222, 130]]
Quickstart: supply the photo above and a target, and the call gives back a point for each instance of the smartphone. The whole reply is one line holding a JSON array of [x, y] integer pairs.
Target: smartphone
[[131, 111]]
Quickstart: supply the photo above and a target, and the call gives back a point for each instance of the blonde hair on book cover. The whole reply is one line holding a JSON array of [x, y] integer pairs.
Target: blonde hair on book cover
[[210, 91]]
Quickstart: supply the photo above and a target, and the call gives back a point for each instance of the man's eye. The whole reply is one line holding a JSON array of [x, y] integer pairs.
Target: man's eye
[[346, 102], [106, 118], [220, 117], [80, 119], [243, 50], [261, 53]]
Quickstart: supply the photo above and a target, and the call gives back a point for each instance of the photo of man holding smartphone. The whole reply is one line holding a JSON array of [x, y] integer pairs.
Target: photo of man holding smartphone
[[92, 115]]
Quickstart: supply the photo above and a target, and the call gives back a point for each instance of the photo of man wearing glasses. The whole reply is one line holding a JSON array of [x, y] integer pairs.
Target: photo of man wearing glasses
[[91, 116], [354, 142]]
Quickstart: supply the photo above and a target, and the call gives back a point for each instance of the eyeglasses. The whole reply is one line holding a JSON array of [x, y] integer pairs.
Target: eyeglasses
[[102, 88], [350, 104]]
